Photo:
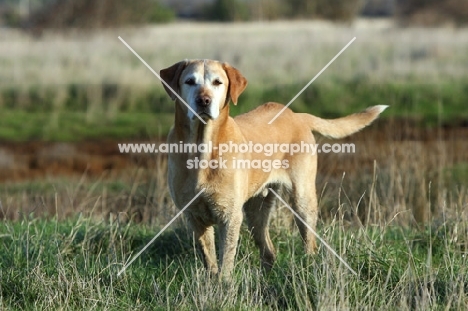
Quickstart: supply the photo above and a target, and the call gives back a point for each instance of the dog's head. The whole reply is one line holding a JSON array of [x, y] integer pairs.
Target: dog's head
[[205, 85]]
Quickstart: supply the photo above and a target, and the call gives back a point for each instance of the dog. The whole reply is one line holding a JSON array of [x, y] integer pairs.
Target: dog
[[230, 192]]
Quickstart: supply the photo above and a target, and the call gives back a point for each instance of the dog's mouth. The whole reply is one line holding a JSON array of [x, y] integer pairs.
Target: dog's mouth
[[205, 115]]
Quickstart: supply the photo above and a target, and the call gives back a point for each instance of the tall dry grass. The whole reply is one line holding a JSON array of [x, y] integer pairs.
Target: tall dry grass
[[278, 52], [387, 181]]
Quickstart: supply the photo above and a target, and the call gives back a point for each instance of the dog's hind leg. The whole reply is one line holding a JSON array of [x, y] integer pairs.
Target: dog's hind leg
[[257, 212], [304, 203]]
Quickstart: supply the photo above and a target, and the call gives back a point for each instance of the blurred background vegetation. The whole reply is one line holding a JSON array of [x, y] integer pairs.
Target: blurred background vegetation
[[111, 13], [68, 94]]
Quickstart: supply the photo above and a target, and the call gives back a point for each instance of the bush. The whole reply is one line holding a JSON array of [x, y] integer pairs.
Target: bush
[[96, 14], [11, 18], [160, 14], [432, 12], [336, 10], [227, 11], [378, 8]]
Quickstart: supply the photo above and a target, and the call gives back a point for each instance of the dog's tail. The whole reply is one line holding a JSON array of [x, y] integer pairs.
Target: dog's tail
[[342, 127]]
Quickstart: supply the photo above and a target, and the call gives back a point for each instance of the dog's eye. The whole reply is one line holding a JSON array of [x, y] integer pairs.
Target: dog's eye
[[190, 81], [217, 82]]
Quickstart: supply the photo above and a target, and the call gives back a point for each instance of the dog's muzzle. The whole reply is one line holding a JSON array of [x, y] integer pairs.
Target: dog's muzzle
[[203, 104]]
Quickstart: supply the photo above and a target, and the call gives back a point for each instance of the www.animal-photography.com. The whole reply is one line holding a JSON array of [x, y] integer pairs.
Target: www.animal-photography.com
[[233, 155]]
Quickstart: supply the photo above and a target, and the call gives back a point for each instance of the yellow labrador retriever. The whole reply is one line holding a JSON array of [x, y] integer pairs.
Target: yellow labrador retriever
[[208, 86]]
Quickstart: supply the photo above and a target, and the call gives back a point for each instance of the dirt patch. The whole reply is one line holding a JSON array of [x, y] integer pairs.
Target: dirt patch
[[33, 160]]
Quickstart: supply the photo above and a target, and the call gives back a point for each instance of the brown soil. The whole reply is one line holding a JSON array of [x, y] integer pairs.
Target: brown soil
[[34, 160]]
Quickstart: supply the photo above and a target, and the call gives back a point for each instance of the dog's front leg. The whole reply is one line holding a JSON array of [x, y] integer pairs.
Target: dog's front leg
[[204, 235], [229, 230]]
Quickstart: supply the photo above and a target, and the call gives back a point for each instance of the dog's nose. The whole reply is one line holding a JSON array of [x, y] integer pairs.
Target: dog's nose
[[203, 101]]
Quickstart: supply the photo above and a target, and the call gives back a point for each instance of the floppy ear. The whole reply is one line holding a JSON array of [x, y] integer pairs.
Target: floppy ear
[[171, 76], [237, 82]]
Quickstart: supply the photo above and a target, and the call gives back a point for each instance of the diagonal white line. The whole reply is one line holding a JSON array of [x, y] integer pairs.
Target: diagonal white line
[[159, 77], [315, 233], [159, 233], [313, 79]]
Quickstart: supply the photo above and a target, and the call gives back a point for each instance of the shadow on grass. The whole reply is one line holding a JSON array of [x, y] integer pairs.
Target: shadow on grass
[[170, 244]]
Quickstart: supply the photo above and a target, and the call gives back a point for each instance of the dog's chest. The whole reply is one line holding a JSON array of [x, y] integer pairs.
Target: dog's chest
[[204, 213]]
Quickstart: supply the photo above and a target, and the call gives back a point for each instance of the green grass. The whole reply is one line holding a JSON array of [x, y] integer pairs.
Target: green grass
[[429, 104], [73, 264], [457, 174], [79, 115], [20, 125], [52, 185]]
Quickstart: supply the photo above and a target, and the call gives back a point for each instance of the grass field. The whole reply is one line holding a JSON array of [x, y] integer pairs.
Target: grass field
[[396, 210], [405, 235], [74, 264], [400, 222]]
